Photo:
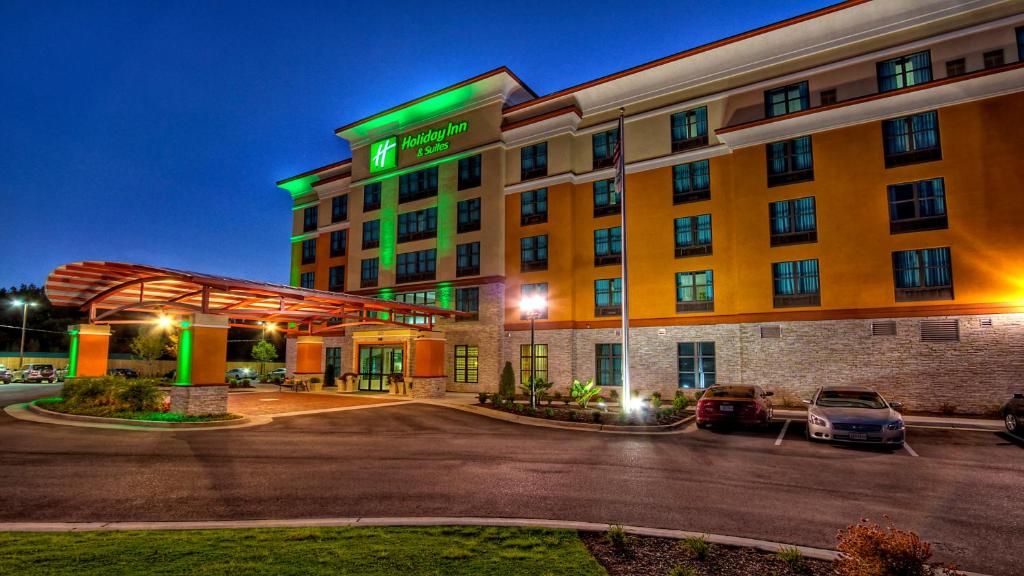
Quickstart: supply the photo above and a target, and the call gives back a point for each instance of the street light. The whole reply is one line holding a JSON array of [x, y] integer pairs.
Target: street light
[[532, 307], [24, 320]]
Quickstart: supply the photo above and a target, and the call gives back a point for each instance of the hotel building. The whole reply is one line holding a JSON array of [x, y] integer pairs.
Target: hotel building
[[832, 199]]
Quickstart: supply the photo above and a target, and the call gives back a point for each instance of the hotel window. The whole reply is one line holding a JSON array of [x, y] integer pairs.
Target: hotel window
[[909, 70], [423, 298], [604, 147], [336, 279], [608, 246], [533, 161], [608, 359], [533, 207], [533, 253], [467, 300], [538, 289], [917, 205], [912, 139], [371, 197], [922, 275], [339, 243], [956, 67], [417, 225], [1020, 44], [829, 97], [993, 59], [469, 215], [416, 266], [608, 297], [695, 291], [693, 235], [332, 360], [469, 172], [309, 216], [689, 129], [786, 100], [416, 185], [540, 364], [691, 182], [339, 208], [307, 279], [309, 251], [368, 270], [371, 234], [792, 221], [696, 364], [606, 199], [790, 161], [796, 283], [467, 260], [467, 364]]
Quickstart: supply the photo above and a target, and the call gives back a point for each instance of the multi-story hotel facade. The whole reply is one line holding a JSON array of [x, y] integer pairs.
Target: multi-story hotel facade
[[832, 199]]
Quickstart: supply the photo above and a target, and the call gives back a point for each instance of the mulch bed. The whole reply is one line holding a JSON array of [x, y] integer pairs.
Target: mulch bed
[[563, 413], [651, 556]]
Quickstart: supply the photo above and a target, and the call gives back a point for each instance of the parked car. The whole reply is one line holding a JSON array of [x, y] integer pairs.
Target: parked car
[[240, 374], [171, 375], [123, 372], [61, 373], [5, 375], [854, 414], [35, 373], [734, 404], [1013, 414], [278, 373]]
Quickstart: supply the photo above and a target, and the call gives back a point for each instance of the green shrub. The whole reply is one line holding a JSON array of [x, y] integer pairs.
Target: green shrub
[[583, 393], [496, 399], [680, 401], [507, 384], [697, 547], [655, 400], [481, 397], [140, 395], [109, 394], [791, 556], [682, 571], [549, 413], [617, 537]]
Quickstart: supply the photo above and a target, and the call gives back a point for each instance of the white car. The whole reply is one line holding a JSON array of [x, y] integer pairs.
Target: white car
[[240, 374]]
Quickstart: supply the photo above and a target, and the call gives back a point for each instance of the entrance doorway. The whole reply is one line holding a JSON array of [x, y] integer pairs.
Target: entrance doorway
[[376, 363]]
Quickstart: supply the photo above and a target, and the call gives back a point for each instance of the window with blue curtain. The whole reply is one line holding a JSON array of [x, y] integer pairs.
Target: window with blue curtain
[[469, 215], [413, 266], [533, 253], [912, 139], [693, 235], [607, 296], [467, 300], [533, 207], [609, 364], [417, 225], [606, 199], [533, 161], [786, 100], [336, 279], [695, 286], [793, 221], [371, 234], [368, 270], [469, 172], [790, 161], [903, 71], [371, 196], [467, 259], [307, 280], [917, 205], [696, 364], [604, 147], [796, 283], [608, 245], [309, 251], [689, 129], [339, 242], [691, 182], [339, 208], [927, 268], [309, 218]]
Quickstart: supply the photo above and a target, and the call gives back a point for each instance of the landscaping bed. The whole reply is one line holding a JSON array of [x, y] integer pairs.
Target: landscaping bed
[[60, 405], [665, 416]]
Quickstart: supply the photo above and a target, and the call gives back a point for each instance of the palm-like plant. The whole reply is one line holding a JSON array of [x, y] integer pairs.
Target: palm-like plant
[[584, 393]]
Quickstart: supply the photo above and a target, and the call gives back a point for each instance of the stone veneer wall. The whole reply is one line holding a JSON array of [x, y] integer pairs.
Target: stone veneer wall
[[485, 333], [199, 400]]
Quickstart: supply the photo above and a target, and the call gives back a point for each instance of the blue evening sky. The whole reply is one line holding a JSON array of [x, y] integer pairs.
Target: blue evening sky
[[153, 131]]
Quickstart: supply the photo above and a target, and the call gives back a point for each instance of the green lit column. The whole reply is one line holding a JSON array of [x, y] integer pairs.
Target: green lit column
[[184, 355], [87, 350], [72, 354]]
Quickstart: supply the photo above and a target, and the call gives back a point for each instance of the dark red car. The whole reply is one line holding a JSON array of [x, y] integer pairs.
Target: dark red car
[[734, 404]]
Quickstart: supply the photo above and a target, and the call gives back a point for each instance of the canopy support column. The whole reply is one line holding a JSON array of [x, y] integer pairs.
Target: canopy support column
[[200, 388], [87, 354]]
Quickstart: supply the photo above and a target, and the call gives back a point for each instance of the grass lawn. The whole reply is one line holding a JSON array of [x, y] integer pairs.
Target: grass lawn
[[405, 551]]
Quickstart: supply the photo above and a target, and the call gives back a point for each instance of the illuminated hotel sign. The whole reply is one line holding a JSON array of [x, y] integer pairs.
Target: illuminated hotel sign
[[384, 153]]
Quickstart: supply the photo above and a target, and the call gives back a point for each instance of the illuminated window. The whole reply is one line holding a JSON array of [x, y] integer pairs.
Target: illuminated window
[[467, 364], [695, 291], [540, 364], [696, 362]]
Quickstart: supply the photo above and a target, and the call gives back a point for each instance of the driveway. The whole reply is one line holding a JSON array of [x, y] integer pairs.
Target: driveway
[[961, 490]]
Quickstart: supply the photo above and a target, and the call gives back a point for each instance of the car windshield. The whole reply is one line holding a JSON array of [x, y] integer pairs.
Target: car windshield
[[850, 399], [730, 392], [43, 366]]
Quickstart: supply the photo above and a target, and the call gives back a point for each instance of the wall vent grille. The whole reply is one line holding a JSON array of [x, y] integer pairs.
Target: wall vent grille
[[985, 322], [883, 328], [771, 331], [940, 331]]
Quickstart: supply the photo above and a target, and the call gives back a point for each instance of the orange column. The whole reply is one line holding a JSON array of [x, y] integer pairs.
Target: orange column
[[429, 359], [203, 350], [87, 355], [309, 355]]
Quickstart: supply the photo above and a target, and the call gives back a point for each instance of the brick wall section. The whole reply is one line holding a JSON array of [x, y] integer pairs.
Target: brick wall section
[[199, 400], [428, 387], [485, 333], [561, 355]]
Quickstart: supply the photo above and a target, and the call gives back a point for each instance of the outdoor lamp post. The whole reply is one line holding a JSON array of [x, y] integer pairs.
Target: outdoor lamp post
[[532, 307], [24, 320]]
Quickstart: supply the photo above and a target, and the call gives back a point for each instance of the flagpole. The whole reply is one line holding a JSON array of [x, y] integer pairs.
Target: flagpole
[[620, 174]]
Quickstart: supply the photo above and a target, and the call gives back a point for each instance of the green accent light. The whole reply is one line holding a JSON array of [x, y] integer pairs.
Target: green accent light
[[305, 205], [433, 140], [433, 106], [388, 228], [447, 215], [73, 355], [445, 295], [384, 154], [420, 166], [300, 186], [301, 237], [185, 355]]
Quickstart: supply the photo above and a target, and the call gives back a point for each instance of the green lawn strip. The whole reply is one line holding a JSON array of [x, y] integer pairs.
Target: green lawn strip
[[406, 551], [58, 405]]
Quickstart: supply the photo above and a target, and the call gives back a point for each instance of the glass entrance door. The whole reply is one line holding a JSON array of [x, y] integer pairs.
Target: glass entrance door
[[376, 363]]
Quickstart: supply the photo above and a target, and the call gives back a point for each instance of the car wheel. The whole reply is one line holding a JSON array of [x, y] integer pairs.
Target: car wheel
[[1012, 425]]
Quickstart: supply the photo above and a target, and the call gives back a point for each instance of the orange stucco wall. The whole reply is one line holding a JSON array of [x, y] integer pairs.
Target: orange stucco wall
[[209, 354], [309, 353], [92, 354], [429, 358]]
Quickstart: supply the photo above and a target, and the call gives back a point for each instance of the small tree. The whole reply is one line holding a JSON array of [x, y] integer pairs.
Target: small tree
[[262, 352], [171, 346], [507, 387], [148, 347]]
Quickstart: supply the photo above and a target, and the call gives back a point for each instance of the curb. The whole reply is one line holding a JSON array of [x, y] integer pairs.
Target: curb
[[40, 411], [664, 429], [31, 413]]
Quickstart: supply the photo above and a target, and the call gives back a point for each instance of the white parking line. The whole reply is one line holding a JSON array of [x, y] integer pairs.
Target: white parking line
[[785, 426], [909, 449]]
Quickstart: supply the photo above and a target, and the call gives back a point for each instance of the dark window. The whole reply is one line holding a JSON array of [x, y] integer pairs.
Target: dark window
[[416, 185], [539, 365], [608, 361], [332, 359], [829, 97], [339, 208], [796, 283], [339, 243], [538, 289], [691, 182], [467, 300], [467, 260], [533, 207], [792, 221], [993, 59], [336, 279], [917, 205], [1020, 44], [956, 67], [368, 270], [604, 147], [307, 279], [608, 246], [467, 364], [786, 100], [416, 266], [309, 251], [606, 199], [417, 225], [533, 253], [608, 297], [371, 234], [689, 129], [371, 197], [790, 161], [533, 161], [909, 70], [309, 216], [912, 139], [923, 275], [696, 364], [693, 235], [469, 172], [469, 215], [695, 291]]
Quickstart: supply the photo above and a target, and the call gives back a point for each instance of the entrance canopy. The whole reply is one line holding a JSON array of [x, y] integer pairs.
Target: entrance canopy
[[105, 289]]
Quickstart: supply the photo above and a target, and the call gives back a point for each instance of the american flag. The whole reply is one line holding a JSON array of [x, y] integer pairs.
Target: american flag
[[619, 159]]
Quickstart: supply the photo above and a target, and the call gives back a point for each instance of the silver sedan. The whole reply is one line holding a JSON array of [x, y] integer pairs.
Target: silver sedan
[[854, 414]]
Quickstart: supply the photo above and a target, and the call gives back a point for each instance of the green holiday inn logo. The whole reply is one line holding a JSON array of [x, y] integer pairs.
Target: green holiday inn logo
[[433, 140], [384, 154]]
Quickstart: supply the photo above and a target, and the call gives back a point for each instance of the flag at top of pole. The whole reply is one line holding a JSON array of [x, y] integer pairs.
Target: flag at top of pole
[[619, 158]]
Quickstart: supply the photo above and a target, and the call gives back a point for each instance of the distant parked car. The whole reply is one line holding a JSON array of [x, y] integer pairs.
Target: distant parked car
[[61, 373], [171, 375], [734, 404], [1013, 414], [854, 414], [35, 373], [5, 375], [240, 374], [123, 372], [277, 373]]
